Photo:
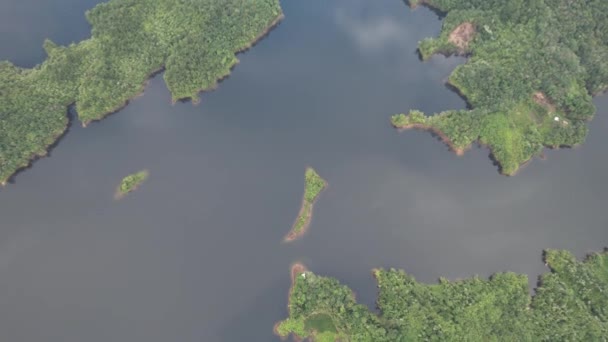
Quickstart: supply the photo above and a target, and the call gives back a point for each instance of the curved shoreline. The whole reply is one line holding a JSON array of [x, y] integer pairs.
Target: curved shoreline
[[296, 234], [121, 194], [218, 79], [462, 36], [459, 151], [296, 269], [433, 130], [293, 234], [46, 152], [56, 138], [123, 105], [221, 78], [560, 263]]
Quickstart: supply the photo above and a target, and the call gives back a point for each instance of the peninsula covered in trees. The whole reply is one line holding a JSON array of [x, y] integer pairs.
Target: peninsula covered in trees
[[533, 68], [570, 304], [313, 185], [131, 183], [194, 42]]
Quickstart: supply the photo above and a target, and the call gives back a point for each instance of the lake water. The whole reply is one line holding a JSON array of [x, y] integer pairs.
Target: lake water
[[196, 253]]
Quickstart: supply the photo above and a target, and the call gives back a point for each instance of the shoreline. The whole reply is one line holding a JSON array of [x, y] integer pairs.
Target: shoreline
[[46, 150], [273, 24], [36, 156], [218, 79], [292, 235], [552, 259], [123, 105], [58, 136], [459, 151], [433, 130], [296, 269], [118, 195], [427, 4]]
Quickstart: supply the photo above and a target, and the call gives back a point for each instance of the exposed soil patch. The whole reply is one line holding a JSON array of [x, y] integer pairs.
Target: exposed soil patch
[[542, 100], [462, 35], [437, 132], [296, 234]]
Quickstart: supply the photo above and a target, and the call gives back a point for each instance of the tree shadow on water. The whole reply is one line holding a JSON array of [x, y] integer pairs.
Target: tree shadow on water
[[71, 115]]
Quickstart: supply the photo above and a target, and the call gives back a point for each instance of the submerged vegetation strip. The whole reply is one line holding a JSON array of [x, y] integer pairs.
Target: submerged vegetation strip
[[533, 69], [131, 183], [570, 304], [194, 42], [313, 185]]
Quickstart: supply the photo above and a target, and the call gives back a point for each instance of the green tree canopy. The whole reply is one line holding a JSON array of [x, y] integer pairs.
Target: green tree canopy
[[194, 41], [533, 67]]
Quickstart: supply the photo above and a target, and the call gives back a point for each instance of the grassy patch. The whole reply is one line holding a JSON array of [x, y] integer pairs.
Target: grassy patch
[[320, 323]]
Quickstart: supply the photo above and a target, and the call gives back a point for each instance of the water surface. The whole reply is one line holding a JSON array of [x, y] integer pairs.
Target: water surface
[[196, 254]]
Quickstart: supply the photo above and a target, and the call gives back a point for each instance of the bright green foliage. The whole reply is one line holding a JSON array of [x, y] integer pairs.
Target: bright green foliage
[[193, 40], [533, 67], [290, 326], [415, 117], [131, 182], [571, 304], [303, 217], [313, 186]]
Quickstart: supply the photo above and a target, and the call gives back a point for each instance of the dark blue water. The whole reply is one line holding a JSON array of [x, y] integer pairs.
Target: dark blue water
[[196, 253]]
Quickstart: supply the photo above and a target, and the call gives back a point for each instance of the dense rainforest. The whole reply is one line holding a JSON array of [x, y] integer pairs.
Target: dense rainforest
[[194, 41], [533, 68], [570, 304]]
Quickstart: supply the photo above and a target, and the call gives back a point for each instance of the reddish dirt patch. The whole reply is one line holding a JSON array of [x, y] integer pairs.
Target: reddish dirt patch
[[542, 100], [462, 35], [458, 150], [296, 270], [293, 234]]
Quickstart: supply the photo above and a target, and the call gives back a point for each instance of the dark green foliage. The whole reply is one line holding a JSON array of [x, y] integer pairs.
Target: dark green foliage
[[523, 51], [193, 40], [571, 304]]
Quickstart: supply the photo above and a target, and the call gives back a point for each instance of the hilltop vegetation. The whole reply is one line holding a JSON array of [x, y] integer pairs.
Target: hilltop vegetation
[[193, 41], [533, 67], [313, 185], [571, 304]]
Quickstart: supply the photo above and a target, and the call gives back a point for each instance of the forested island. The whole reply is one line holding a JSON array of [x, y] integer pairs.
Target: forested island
[[313, 185], [570, 304], [194, 42], [131, 183], [533, 68]]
